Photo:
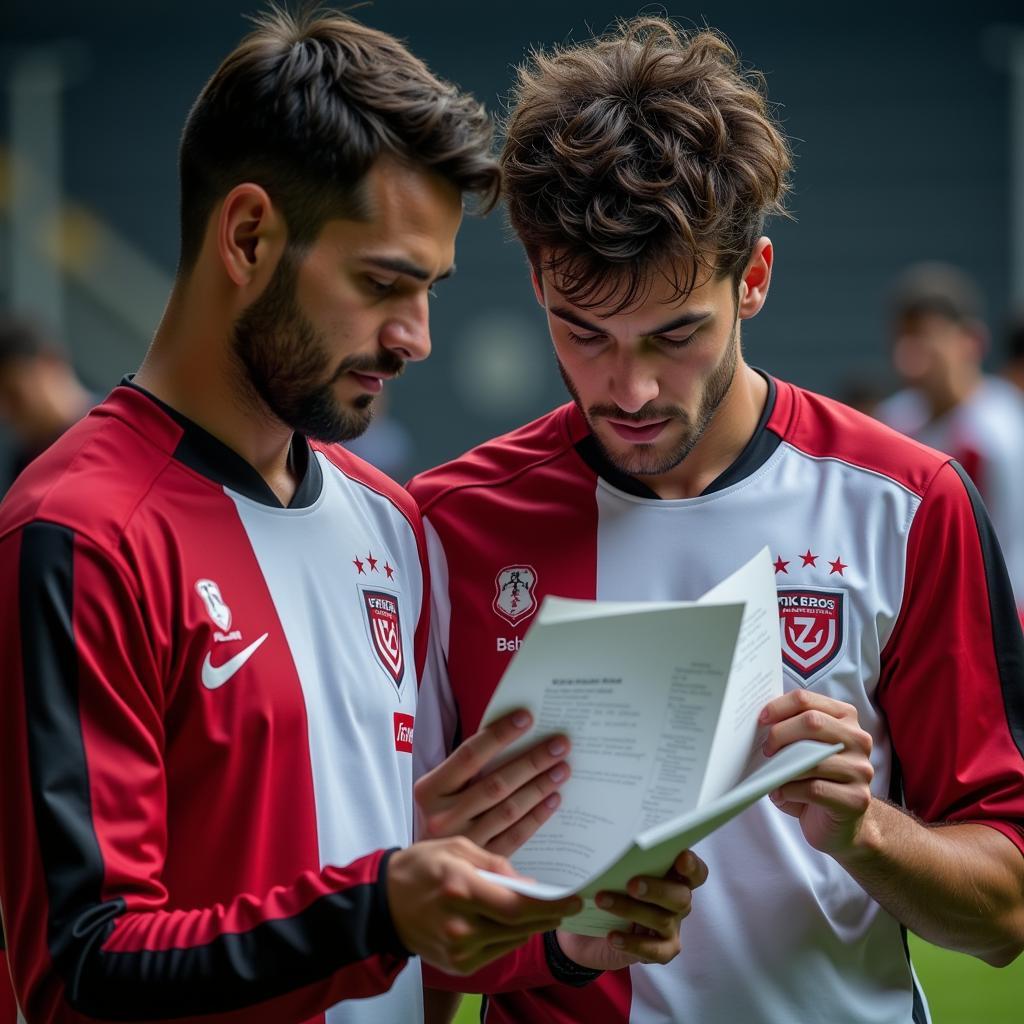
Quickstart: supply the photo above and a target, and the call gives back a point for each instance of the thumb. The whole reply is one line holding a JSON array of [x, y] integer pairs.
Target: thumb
[[480, 858]]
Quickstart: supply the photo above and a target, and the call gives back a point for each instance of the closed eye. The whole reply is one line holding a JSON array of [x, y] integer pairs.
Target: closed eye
[[675, 343], [379, 286], [584, 339]]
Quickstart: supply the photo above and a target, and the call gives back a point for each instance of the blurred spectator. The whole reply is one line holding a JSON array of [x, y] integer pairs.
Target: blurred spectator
[[939, 339], [1013, 368], [40, 395]]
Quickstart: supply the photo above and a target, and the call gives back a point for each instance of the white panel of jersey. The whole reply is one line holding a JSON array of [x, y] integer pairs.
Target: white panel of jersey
[[804, 900], [350, 696]]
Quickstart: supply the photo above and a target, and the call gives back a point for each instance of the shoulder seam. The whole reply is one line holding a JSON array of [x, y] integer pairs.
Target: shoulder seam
[[500, 481]]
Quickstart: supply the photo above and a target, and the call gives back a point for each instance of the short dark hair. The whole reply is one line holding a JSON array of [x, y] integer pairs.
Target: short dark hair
[[646, 149], [23, 338], [304, 105], [939, 288]]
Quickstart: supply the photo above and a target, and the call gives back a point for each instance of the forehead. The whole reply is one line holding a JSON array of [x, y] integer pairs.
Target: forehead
[[658, 295], [406, 210]]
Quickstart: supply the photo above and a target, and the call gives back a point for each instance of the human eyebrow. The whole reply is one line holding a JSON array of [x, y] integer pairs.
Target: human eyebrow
[[576, 321], [408, 268], [686, 320], [693, 317]]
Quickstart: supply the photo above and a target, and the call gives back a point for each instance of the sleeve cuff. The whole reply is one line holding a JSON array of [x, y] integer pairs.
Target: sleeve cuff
[[391, 942], [564, 970]]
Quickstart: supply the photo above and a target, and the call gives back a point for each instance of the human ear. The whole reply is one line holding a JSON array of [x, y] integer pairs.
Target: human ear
[[250, 234], [756, 278]]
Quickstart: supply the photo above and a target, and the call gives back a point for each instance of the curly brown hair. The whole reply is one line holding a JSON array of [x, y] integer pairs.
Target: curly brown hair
[[649, 149], [305, 104]]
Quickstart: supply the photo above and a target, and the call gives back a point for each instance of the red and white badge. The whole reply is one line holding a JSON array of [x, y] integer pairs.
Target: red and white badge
[[811, 621], [514, 597], [385, 631]]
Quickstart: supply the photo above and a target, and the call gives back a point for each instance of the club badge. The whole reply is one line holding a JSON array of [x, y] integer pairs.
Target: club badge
[[811, 622], [514, 598]]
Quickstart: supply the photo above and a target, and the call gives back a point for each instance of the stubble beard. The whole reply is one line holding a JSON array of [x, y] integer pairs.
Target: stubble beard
[[645, 459], [284, 370]]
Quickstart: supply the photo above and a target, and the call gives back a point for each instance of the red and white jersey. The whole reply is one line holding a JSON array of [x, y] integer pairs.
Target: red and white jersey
[[914, 625], [206, 742], [985, 434]]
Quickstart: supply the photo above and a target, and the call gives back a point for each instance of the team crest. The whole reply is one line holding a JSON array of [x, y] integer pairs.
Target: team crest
[[216, 607], [384, 627], [514, 597], [811, 621]]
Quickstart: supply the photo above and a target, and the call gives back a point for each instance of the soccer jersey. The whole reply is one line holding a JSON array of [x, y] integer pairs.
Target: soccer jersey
[[985, 434], [892, 597], [206, 742]]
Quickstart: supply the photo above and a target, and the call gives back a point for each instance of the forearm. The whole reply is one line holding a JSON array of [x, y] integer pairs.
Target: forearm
[[960, 886]]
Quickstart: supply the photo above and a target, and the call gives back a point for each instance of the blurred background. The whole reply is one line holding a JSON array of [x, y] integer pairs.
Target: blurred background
[[907, 121]]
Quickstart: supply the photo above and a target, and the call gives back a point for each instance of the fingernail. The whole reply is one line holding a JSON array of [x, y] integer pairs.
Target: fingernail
[[521, 719], [604, 901], [558, 773], [640, 888], [552, 801], [763, 717], [617, 941], [557, 747]]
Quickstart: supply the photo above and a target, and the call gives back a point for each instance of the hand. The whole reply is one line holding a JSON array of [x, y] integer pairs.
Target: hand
[[446, 913], [656, 906], [499, 811], [832, 799]]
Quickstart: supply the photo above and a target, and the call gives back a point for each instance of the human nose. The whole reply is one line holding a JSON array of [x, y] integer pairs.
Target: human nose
[[633, 384], [407, 333]]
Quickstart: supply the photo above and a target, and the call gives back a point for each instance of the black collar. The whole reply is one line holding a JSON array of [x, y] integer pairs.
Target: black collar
[[754, 455], [200, 450]]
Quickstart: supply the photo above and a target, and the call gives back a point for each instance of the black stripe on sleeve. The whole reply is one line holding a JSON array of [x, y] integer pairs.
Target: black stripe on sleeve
[[232, 971], [1006, 627], [69, 849]]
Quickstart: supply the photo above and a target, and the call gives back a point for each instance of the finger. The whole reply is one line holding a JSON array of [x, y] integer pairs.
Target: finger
[[511, 839], [816, 724], [657, 918], [645, 949], [511, 908], [541, 766], [689, 868], [520, 805], [846, 768], [470, 757], [797, 701], [843, 799], [667, 893]]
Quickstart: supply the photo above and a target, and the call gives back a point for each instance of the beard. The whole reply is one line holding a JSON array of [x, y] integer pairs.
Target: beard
[[647, 459], [286, 369]]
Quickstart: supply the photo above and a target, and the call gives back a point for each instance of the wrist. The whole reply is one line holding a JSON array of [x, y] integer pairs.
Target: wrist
[[563, 968], [868, 842]]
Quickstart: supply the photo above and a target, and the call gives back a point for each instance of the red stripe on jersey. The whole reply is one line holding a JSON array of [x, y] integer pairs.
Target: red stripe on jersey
[[562, 550], [972, 769], [824, 428]]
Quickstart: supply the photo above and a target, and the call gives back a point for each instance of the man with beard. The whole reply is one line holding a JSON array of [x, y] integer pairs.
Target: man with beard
[[639, 170], [214, 619]]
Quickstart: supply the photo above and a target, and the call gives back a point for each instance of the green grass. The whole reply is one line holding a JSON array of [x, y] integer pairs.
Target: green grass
[[960, 989]]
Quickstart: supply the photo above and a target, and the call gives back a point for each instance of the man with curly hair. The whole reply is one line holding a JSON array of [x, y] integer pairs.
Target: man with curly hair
[[639, 171]]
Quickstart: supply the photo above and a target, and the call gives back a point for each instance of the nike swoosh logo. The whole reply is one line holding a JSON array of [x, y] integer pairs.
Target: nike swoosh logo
[[215, 676]]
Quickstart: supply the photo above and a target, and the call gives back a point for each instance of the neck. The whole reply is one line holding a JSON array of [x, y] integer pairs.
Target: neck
[[731, 428], [191, 367], [957, 388]]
